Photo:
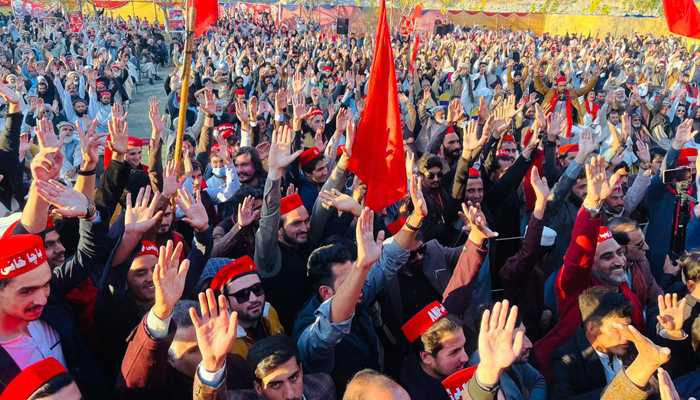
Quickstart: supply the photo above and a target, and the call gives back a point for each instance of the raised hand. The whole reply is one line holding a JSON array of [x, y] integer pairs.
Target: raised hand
[[300, 110], [647, 351], [68, 202], [170, 181], [684, 134], [368, 250], [157, 122], [341, 201], [118, 134], [671, 315], [140, 218], [8, 94], [539, 185], [246, 215], [298, 83], [89, 144], [319, 142], [587, 144], [168, 279], [209, 106], [47, 164], [643, 152], [531, 145], [280, 152], [499, 347], [455, 112], [280, 101], [291, 190], [242, 112], [47, 136], [667, 390], [197, 216], [350, 131], [420, 207], [215, 332], [599, 187], [474, 218]]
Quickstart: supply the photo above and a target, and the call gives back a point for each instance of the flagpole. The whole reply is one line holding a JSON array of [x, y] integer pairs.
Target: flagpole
[[184, 91]]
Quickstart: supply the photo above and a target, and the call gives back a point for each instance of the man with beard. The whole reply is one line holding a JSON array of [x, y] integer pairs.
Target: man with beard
[[593, 258], [250, 168], [314, 173], [72, 154], [234, 236], [240, 283], [451, 148], [628, 234], [102, 109], [437, 225], [624, 200]]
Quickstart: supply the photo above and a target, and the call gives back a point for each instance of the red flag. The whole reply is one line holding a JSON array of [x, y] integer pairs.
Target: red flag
[[415, 51], [377, 157], [207, 14], [682, 17], [417, 12]]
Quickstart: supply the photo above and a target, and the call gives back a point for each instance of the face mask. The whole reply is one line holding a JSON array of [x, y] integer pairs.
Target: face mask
[[637, 69], [218, 171]]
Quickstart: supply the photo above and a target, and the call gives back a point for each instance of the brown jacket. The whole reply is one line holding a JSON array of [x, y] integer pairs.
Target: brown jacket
[[316, 387], [549, 92]]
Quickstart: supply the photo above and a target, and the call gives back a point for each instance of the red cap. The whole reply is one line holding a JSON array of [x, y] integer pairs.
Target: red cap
[[617, 186], [135, 142], [308, 156], [341, 149], [11, 229], [314, 112], [224, 127], [396, 226], [32, 378], [20, 254], [105, 93], [474, 173], [502, 153], [683, 162], [148, 248], [604, 234], [508, 138], [568, 148], [327, 68], [290, 203], [31, 67], [422, 321], [456, 384], [689, 152], [561, 79], [240, 92], [233, 270], [227, 133], [113, 67]]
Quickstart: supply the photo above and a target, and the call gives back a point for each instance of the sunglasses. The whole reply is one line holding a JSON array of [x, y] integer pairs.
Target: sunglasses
[[431, 175], [243, 295], [639, 245]]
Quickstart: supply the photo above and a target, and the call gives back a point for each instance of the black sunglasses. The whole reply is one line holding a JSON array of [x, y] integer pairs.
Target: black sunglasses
[[243, 295], [431, 175]]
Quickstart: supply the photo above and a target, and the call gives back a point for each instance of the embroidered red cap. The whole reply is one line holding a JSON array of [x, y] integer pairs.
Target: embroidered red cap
[[105, 93], [227, 133], [502, 153], [568, 148], [422, 321], [240, 92], [508, 138], [148, 248], [474, 173], [232, 271], [308, 156], [290, 203], [327, 68], [604, 234], [20, 254], [617, 186], [32, 378], [135, 142], [689, 152], [561, 79], [456, 384], [314, 112]]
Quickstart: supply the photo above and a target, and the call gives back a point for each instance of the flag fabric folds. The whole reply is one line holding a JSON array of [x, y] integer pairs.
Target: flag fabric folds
[[206, 16], [682, 17], [377, 157]]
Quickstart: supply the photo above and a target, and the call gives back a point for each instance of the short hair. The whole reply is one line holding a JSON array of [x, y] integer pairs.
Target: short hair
[[309, 167], [181, 313], [4, 283], [138, 180], [621, 227], [52, 386], [347, 243], [188, 138], [197, 166], [691, 266], [269, 353], [321, 262], [429, 341], [695, 335], [229, 208], [254, 158], [429, 161], [597, 303], [657, 152], [358, 386]]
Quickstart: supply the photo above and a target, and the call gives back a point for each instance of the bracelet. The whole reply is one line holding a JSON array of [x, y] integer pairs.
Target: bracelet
[[88, 173], [413, 228], [211, 115]]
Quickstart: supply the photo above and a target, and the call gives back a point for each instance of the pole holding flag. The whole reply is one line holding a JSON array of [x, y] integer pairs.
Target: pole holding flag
[[379, 159]]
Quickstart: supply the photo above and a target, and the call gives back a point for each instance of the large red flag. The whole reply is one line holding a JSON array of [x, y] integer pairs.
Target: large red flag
[[417, 12], [207, 14], [682, 17], [377, 156]]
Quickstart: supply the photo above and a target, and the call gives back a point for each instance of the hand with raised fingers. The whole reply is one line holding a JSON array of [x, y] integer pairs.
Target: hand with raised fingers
[[291, 190], [671, 316], [193, 208], [141, 217], [298, 83], [242, 112], [47, 136], [209, 106], [539, 185], [47, 164], [216, 330], [420, 207], [474, 218], [499, 345], [157, 121], [67, 202], [651, 354], [643, 152], [169, 279], [368, 249], [281, 152], [300, 110], [118, 134], [89, 145], [246, 215], [599, 186], [281, 101], [340, 201], [170, 182], [684, 134], [350, 131]]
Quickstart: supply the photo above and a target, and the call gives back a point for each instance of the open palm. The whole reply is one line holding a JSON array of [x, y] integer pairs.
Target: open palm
[[68, 202], [215, 331], [193, 208], [499, 347], [140, 217], [368, 250]]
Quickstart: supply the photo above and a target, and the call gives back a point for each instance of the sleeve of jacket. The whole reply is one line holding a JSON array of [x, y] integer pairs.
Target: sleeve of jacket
[[458, 293], [534, 381], [268, 257], [563, 187], [510, 180], [200, 252], [636, 192], [145, 363], [550, 167], [9, 155], [155, 167], [692, 237], [539, 85], [321, 215], [92, 252], [206, 392], [475, 391], [622, 387], [563, 375], [574, 276], [112, 185], [204, 146], [517, 268]]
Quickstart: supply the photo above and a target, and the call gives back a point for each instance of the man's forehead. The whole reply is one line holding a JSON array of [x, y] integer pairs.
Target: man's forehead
[[282, 372]]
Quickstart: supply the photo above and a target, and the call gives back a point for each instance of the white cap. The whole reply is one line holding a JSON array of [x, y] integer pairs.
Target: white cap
[[548, 236]]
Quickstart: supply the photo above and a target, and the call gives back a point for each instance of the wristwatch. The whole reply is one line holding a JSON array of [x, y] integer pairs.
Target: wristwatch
[[90, 211]]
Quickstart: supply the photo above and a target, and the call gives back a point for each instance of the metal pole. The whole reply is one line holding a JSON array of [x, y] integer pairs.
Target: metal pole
[[184, 91]]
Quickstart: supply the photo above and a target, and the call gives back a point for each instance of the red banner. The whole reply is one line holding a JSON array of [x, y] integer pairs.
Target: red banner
[[75, 21]]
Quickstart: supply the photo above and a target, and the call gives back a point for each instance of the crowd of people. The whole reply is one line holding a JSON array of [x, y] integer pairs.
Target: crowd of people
[[547, 247]]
